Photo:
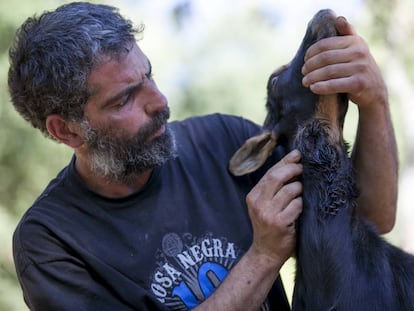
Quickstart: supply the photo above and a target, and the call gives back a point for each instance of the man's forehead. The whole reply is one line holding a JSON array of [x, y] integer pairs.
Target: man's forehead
[[131, 64]]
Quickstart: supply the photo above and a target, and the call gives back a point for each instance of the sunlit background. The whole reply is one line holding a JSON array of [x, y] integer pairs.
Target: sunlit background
[[210, 56]]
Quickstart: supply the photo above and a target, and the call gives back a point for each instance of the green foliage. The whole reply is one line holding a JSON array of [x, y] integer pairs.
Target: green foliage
[[27, 160]]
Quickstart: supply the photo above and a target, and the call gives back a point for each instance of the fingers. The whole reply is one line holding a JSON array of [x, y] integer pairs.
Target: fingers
[[275, 178], [274, 204], [277, 189], [326, 46], [344, 28], [284, 207], [341, 64], [344, 65], [292, 157], [327, 59], [332, 51], [338, 78], [293, 203], [333, 43]]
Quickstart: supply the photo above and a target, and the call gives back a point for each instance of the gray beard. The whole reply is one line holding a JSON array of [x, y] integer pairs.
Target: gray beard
[[123, 159]]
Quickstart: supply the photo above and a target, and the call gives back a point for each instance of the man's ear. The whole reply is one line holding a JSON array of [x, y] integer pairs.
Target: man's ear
[[252, 154], [64, 131]]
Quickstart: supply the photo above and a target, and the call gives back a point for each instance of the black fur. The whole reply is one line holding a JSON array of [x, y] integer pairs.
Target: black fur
[[342, 262]]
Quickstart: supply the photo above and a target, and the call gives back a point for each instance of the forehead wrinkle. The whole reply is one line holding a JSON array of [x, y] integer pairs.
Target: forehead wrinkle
[[141, 67]]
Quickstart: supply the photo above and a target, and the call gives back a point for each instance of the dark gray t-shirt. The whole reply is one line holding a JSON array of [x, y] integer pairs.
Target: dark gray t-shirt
[[166, 247]]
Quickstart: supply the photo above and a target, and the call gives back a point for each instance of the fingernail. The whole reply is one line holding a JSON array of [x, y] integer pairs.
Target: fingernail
[[344, 18], [295, 154], [305, 82]]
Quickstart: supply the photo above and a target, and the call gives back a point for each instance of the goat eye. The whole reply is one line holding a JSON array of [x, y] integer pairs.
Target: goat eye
[[274, 80]]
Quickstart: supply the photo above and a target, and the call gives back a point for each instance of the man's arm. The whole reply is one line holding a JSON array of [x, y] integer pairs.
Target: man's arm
[[345, 65], [376, 162], [274, 204]]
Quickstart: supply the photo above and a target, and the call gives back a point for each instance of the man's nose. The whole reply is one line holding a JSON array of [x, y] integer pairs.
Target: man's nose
[[157, 101]]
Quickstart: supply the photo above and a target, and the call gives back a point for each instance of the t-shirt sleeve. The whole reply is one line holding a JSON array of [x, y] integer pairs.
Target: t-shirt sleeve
[[63, 285], [60, 280]]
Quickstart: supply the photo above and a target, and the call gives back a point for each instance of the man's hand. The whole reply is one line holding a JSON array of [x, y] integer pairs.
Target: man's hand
[[344, 64], [274, 205]]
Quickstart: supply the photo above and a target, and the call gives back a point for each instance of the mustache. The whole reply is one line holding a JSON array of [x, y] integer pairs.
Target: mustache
[[147, 130], [105, 139]]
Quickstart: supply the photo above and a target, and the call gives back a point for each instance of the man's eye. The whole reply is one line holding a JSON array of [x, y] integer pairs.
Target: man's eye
[[125, 100]]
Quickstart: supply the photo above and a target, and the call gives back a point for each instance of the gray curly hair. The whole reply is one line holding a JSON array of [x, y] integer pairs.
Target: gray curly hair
[[53, 55]]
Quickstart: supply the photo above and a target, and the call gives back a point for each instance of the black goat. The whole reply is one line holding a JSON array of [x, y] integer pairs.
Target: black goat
[[342, 262]]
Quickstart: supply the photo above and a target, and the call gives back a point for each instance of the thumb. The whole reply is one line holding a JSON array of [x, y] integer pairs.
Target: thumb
[[344, 28]]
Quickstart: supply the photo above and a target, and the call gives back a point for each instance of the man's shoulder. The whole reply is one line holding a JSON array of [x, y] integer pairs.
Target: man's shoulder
[[48, 203], [216, 117], [57, 187], [217, 125], [37, 235]]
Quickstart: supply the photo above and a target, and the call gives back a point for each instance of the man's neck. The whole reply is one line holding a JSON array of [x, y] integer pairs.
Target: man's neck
[[107, 188]]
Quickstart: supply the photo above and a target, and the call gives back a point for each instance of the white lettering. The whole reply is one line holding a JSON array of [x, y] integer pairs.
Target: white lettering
[[195, 251], [172, 272], [206, 248], [230, 252], [218, 248], [185, 260], [159, 291], [165, 281]]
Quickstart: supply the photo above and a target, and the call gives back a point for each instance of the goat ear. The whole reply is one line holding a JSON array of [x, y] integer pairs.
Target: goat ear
[[252, 154]]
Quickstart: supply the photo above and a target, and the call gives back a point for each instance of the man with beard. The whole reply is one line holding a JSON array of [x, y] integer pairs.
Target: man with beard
[[146, 215]]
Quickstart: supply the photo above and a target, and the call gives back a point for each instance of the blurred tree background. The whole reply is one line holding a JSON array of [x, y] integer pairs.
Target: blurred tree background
[[208, 56]]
